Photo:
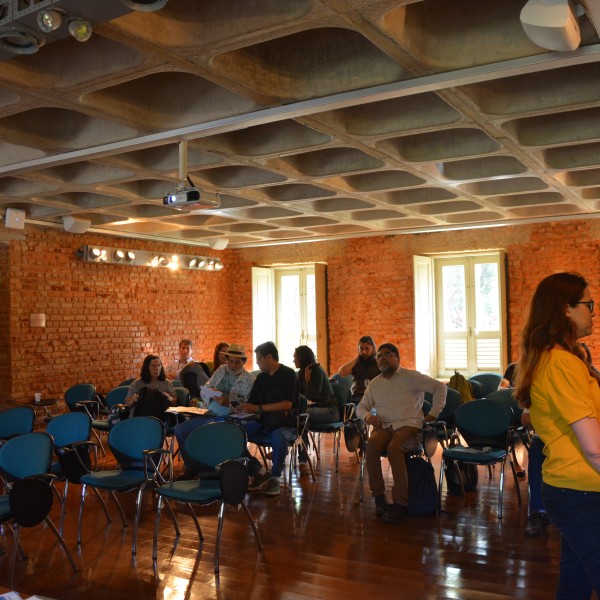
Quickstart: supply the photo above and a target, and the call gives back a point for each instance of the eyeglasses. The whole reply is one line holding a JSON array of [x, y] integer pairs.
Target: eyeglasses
[[589, 304], [384, 355]]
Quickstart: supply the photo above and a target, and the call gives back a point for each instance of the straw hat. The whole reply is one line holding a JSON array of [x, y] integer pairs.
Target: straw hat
[[236, 351]]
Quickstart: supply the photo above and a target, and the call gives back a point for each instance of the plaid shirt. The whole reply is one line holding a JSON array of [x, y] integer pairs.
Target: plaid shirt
[[227, 383]]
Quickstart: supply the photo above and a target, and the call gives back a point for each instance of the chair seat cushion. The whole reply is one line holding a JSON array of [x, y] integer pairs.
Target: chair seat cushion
[[475, 455], [101, 424], [195, 491], [325, 427], [119, 480]]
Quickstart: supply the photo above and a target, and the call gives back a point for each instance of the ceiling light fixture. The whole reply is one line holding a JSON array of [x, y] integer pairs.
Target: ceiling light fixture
[[49, 20], [145, 5], [80, 29], [19, 40]]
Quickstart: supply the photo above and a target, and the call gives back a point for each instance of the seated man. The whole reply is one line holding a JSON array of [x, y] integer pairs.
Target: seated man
[[363, 367], [234, 383], [274, 398], [393, 406], [185, 357]]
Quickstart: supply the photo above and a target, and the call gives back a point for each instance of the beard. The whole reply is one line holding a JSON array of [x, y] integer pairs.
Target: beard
[[234, 371]]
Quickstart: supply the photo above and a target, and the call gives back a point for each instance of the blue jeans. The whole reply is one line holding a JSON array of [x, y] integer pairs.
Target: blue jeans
[[577, 516], [534, 474], [278, 439]]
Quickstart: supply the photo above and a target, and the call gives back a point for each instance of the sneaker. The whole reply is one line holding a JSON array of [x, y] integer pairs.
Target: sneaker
[[537, 524], [394, 513], [270, 487], [304, 468], [257, 482], [381, 505]]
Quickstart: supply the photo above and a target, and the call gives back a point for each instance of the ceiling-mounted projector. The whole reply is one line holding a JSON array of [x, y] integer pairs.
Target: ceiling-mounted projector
[[551, 24], [191, 198]]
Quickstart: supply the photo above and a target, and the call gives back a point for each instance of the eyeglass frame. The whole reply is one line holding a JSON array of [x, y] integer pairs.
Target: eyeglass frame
[[589, 304], [381, 356]]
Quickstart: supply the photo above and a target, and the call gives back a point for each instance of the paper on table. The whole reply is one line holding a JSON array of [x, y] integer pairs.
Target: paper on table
[[207, 394], [185, 410]]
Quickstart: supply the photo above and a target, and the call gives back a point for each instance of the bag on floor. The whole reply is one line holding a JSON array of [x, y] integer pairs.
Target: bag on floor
[[468, 473], [422, 488], [355, 435]]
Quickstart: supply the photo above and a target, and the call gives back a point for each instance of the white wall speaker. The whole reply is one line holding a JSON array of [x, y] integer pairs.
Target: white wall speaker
[[219, 244], [14, 218], [551, 24], [75, 225]]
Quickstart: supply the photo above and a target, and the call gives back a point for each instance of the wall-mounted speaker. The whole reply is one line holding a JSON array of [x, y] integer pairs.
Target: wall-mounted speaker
[[14, 218], [551, 24], [75, 225]]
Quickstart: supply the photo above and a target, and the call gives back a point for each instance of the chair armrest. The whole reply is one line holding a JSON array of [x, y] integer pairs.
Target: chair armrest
[[302, 424], [349, 410], [91, 407], [155, 467], [242, 459]]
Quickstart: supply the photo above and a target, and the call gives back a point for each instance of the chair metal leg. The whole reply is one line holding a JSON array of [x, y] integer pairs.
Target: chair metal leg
[[253, 525], [62, 542], [361, 472], [516, 478], [173, 519], [62, 500], [219, 534], [80, 520], [116, 500], [99, 442], [13, 556], [138, 510], [104, 507], [196, 523], [156, 528], [441, 482], [501, 490], [336, 449]]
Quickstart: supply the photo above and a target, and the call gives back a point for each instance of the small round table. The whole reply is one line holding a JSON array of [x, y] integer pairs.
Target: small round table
[[46, 404]]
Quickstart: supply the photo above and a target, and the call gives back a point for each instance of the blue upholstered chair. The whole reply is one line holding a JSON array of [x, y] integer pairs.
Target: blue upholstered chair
[[488, 381], [16, 421]]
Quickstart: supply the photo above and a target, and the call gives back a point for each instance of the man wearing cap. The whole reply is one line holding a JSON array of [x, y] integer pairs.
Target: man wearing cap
[[234, 383], [393, 406]]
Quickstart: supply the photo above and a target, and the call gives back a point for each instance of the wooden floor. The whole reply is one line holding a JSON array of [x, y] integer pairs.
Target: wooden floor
[[319, 542]]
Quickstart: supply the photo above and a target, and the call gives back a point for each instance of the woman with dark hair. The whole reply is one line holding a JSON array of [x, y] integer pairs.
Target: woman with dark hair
[[152, 375], [219, 357], [315, 385], [564, 403]]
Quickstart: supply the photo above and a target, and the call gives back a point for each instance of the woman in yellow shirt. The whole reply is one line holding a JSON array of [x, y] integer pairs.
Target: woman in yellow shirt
[[564, 401]]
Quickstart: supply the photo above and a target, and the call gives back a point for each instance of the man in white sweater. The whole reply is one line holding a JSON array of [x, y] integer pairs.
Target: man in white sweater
[[393, 406]]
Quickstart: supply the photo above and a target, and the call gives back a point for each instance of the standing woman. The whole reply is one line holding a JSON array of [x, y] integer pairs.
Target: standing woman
[[564, 402], [315, 385]]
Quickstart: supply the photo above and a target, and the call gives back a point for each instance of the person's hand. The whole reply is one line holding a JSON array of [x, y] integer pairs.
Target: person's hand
[[131, 400], [169, 398], [374, 421], [430, 418], [251, 408]]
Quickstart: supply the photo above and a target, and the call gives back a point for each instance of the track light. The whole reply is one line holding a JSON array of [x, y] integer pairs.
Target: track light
[[49, 20], [80, 29], [145, 5], [218, 265]]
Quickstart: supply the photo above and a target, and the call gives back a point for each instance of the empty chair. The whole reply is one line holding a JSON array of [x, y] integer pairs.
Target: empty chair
[[81, 396], [488, 381], [71, 434], [113, 398], [485, 427], [346, 409], [16, 421], [219, 446], [127, 382], [137, 444], [25, 461]]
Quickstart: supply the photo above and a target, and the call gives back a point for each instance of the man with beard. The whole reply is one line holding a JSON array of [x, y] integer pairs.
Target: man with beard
[[362, 367], [234, 383], [393, 407]]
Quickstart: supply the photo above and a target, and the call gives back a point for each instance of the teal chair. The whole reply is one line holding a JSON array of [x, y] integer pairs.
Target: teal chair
[[177, 383], [219, 446], [71, 435], [25, 462], [16, 421], [115, 396], [489, 383], [81, 396], [345, 411], [343, 379], [137, 445], [485, 426], [127, 382]]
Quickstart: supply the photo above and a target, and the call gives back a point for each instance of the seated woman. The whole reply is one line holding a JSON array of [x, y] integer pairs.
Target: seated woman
[[152, 375], [315, 385], [218, 357]]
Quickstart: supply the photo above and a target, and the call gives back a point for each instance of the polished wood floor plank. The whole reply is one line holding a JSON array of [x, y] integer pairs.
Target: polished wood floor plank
[[320, 542]]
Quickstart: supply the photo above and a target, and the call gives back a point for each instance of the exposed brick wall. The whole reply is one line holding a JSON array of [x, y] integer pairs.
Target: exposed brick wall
[[103, 319], [4, 322]]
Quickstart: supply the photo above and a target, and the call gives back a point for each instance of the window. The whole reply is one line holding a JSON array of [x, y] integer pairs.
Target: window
[[289, 307], [460, 323]]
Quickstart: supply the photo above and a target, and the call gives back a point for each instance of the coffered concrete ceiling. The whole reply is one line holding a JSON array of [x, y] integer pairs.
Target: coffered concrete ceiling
[[313, 119]]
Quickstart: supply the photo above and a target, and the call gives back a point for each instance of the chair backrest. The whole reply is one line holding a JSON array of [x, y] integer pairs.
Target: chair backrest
[[177, 383], [213, 443], [426, 407], [506, 397], [116, 396], [127, 382], [343, 396], [183, 396], [484, 423], [69, 428], [26, 455], [489, 381], [128, 439], [16, 421], [78, 393], [193, 376], [453, 401], [30, 501], [344, 380]]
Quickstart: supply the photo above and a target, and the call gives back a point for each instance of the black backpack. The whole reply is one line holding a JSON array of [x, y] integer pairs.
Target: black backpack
[[468, 473], [422, 488], [151, 403], [355, 435]]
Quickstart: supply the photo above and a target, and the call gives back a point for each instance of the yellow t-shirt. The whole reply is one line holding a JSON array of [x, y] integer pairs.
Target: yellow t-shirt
[[562, 393]]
